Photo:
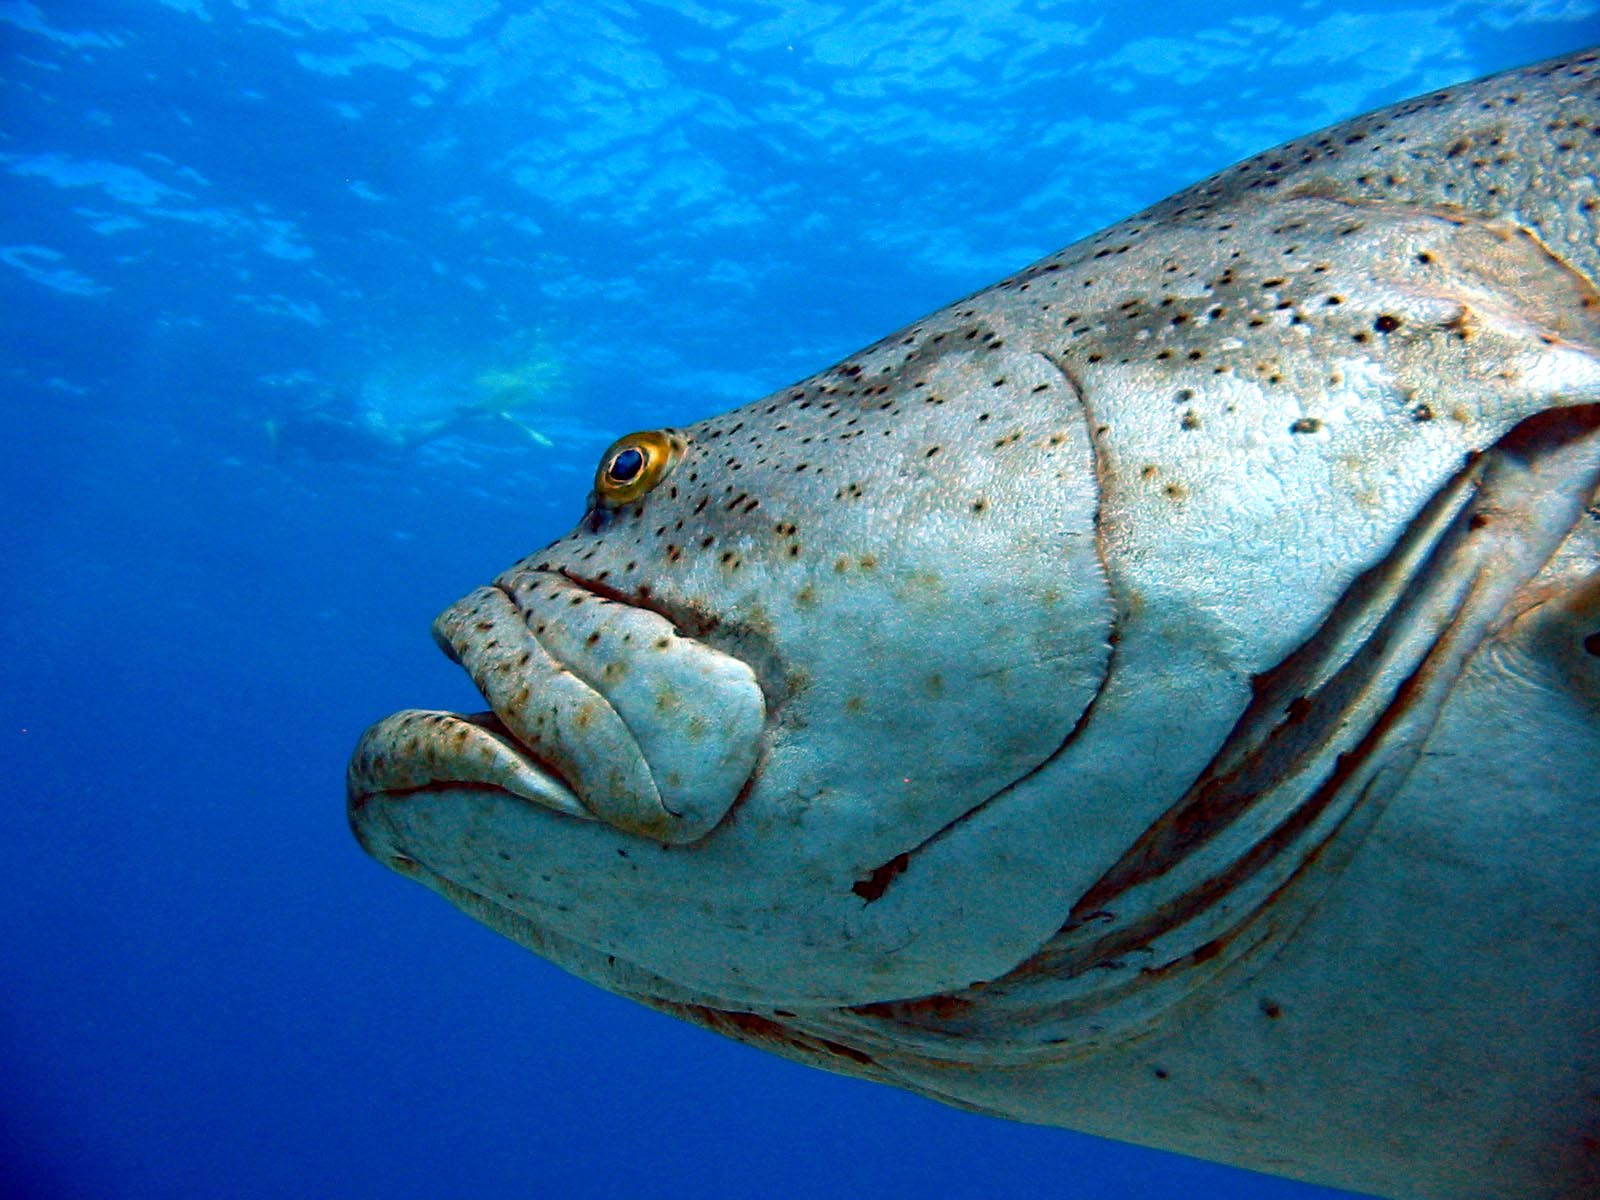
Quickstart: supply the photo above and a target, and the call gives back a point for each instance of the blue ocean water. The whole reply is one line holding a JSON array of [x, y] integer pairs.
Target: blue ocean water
[[317, 314]]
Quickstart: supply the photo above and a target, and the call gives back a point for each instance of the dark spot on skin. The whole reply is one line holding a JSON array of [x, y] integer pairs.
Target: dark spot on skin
[[1306, 425], [1477, 521], [874, 885], [1386, 323], [1271, 1009], [1161, 1073], [1592, 644]]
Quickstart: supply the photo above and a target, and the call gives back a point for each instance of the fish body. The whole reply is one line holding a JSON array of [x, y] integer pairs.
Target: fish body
[[1157, 695]]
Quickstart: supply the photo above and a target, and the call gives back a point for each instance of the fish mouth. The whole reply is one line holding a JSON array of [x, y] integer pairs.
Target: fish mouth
[[600, 710]]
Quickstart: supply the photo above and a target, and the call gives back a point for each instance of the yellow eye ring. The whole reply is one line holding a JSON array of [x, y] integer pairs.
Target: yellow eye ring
[[635, 464]]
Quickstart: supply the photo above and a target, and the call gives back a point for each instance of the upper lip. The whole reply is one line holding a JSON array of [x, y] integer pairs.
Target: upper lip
[[601, 709], [551, 709]]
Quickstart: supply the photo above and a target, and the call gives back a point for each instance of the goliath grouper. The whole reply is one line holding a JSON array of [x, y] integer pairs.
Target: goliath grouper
[[1158, 695]]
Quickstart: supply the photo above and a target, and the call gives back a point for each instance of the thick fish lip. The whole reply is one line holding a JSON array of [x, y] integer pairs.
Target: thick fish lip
[[601, 710], [417, 751]]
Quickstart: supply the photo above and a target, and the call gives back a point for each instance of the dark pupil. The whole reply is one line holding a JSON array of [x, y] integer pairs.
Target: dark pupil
[[625, 467]]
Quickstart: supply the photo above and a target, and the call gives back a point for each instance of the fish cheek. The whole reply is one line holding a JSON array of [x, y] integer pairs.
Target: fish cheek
[[935, 619], [904, 552]]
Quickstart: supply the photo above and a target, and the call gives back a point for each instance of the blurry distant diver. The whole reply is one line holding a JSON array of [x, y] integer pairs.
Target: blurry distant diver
[[323, 434]]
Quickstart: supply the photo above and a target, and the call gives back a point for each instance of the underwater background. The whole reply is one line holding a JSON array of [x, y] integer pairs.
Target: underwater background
[[317, 313]]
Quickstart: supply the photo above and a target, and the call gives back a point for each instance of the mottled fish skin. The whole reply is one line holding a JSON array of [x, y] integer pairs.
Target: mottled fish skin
[[1157, 695]]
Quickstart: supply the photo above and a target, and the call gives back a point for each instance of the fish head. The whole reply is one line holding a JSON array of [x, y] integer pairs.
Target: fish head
[[748, 716]]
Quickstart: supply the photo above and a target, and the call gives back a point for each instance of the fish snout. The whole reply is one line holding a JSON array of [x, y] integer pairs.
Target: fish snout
[[653, 732]]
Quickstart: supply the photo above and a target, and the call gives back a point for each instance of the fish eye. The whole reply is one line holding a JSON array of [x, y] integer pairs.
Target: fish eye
[[625, 467], [635, 464]]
